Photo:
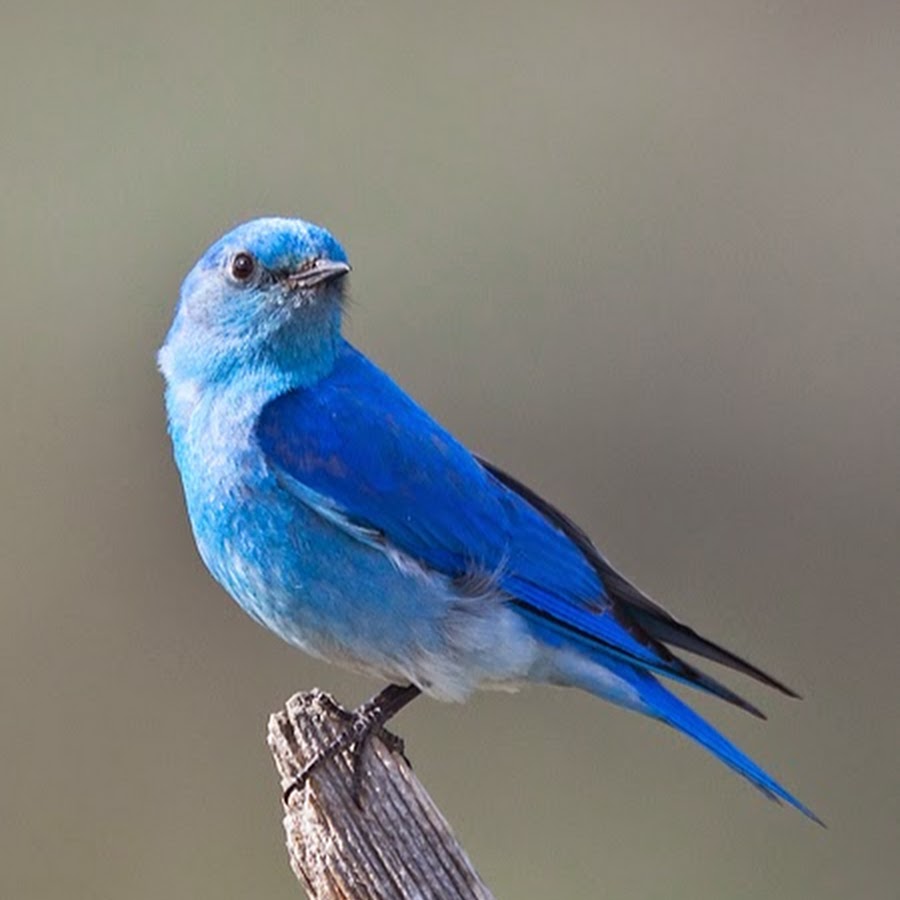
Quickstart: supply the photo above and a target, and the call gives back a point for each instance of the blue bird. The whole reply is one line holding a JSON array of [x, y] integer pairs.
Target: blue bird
[[342, 516]]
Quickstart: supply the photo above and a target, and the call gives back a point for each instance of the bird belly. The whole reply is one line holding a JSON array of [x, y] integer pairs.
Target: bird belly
[[368, 608]]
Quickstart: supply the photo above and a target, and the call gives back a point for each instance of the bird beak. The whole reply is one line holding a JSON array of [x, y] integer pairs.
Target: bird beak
[[315, 272]]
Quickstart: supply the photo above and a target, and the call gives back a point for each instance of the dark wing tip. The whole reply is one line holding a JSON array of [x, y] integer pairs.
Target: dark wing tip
[[635, 608], [670, 631]]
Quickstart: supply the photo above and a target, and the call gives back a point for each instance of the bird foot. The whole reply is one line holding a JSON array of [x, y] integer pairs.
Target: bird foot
[[353, 717], [363, 723]]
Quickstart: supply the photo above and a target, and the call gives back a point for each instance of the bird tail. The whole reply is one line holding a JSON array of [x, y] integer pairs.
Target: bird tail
[[650, 697]]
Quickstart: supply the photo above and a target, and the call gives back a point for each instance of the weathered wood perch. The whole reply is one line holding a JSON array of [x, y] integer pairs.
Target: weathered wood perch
[[395, 845]]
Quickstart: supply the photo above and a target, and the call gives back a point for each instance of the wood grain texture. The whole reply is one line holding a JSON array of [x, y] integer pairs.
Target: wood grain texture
[[397, 844]]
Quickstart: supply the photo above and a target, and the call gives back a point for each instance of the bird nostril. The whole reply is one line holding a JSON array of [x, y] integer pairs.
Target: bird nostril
[[309, 263]]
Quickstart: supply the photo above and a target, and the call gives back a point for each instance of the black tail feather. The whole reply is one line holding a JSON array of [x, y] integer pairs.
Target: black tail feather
[[664, 627], [651, 619]]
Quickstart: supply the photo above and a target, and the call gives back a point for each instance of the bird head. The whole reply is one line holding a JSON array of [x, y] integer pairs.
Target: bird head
[[269, 291]]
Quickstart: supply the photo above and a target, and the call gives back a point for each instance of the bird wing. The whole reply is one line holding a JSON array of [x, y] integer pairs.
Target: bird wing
[[654, 619], [363, 454]]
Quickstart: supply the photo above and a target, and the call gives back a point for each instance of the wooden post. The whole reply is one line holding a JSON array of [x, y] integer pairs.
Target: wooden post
[[396, 845]]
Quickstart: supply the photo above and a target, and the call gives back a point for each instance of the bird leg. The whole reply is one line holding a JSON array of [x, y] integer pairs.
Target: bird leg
[[362, 723]]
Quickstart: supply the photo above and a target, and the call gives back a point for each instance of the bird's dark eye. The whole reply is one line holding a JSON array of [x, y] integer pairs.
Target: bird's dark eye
[[242, 266]]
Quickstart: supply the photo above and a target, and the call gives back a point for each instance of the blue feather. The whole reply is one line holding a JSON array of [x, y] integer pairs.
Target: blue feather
[[339, 514], [358, 440], [387, 467]]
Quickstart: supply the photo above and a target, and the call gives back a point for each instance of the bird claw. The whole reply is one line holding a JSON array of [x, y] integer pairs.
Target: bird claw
[[363, 724]]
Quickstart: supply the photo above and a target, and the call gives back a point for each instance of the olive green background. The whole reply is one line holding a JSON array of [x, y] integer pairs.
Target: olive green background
[[644, 255]]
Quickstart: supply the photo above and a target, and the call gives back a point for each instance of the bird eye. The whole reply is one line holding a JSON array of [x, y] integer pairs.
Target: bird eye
[[243, 265]]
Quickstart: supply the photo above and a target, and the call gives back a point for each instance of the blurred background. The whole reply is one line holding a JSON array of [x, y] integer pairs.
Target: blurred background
[[644, 255]]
